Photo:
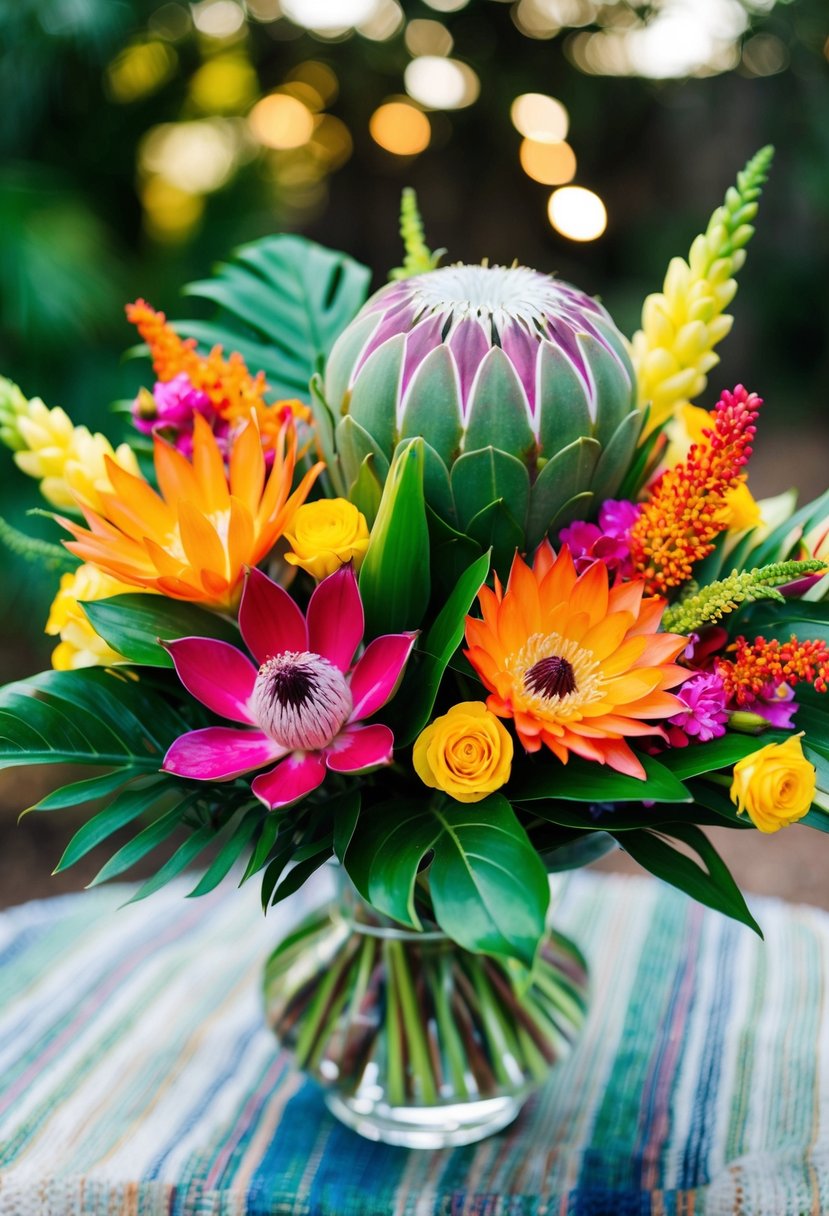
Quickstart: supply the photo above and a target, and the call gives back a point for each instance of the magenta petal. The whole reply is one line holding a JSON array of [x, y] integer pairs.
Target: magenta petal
[[378, 671], [420, 341], [291, 780], [219, 753], [358, 748], [335, 618], [469, 344], [217, 674], [269, 619], [522, 349]]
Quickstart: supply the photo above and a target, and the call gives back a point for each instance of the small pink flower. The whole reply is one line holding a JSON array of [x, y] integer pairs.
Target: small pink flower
[[305, 705], [704, 715], [608, 541], [171, 410]]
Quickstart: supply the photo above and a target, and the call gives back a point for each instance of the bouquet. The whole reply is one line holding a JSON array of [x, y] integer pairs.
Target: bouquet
[[456, 586]]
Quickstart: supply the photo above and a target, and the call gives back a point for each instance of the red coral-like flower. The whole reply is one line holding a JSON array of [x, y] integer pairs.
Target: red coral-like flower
[[765, 662], [687, 506]]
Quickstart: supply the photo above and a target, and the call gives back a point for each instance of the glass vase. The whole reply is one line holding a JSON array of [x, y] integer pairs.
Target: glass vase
[[416, 1041]]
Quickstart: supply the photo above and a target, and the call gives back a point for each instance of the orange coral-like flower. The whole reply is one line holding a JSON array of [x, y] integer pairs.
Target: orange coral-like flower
[[688, 506], [577, 664], [768, 662], [194, 540], [234, 392]]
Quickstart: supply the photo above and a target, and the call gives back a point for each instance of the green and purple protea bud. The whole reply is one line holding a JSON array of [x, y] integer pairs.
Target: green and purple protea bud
[[520, 385]]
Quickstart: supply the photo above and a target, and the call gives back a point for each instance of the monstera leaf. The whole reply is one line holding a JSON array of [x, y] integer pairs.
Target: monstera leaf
[[281, 302]]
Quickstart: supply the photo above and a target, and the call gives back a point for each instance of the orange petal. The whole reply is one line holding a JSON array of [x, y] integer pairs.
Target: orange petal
[[138, 496], [174, 474], [545, 556], [650, 614], [200, 540], [240, 537], [591, 592], [247, 468], [605, 637], [209, 468], [631, 686], [657, 704], [623, 657], [626, 597]]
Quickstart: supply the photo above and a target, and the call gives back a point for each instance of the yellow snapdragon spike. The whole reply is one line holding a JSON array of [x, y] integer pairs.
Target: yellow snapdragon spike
[[80, 645], [673, 352], [68, 460]]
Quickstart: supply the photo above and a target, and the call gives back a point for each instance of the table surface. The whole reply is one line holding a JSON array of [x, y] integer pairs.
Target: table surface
[[137, 1078]]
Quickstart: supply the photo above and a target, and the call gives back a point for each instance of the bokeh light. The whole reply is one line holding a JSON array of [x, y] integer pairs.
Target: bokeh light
[[446, 6], [552, 164], [331, 142], [400, 128], [281, 121], [218, 18], [170, 214], [139, 70], [577, 213], [319, 76], [225, 84], [384, 22], [426, 37], [441, 84], [540, 117], [196, 157], [329, 16]]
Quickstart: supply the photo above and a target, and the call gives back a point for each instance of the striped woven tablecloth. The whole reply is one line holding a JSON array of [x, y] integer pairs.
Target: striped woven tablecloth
[[136, 1077]]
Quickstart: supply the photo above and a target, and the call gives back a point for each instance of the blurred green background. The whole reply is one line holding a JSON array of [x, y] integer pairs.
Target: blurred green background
[[143, 140]]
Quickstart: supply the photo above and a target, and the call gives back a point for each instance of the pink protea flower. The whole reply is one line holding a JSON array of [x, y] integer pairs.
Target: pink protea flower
[[306, 704]]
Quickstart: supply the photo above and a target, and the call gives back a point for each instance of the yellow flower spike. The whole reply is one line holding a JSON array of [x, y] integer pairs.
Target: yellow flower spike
[[467, 753], [674, 350], [326, 534], [80, 645], [68, 461], [775, 785]]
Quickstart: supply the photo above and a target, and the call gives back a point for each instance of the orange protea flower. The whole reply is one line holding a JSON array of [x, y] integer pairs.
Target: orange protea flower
[[577, 664], [688, 506], [194, 540]]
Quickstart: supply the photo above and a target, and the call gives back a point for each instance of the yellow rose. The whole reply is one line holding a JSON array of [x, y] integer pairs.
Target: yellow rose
[[467, 753], [326, 534], [80, 645], [775, 785]]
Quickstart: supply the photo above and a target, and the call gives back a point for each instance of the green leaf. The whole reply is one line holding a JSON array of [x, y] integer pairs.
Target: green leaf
[[563, 478], [799, 617], [345, 811], [700, 758], [148, 838], [185, 854], [487, 476], [123, 810], [710, 883], [229, 853], [133, 624], [582, 781], [497, 529], [394, 579], [281, 302], [778, 543], [366, 491], [623, 817], [85, 791], [91, 717], [415, 699], [488, 886]]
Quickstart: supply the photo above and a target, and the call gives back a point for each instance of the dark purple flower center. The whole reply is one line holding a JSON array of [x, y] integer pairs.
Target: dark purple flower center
[[291, 685], [551, 677]]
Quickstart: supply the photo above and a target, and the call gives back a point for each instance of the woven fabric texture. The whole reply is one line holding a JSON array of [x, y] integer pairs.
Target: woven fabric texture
[[137, 1079]]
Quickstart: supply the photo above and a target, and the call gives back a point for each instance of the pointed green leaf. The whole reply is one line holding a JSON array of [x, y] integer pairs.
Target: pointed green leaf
[[415, 699], [710, 883], [185, 855], [582, 781], [123, 810], [488, 886], [281, 302], [135, 624], [495, 528], [394, 579], [233, 840], [616, 456], [483, 477], [366, 491], [564, 409], [433, 404], [148, 838], [498, 409], [567, 474], [374, 396], [354, 444], [86, 791], [613, 391]]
